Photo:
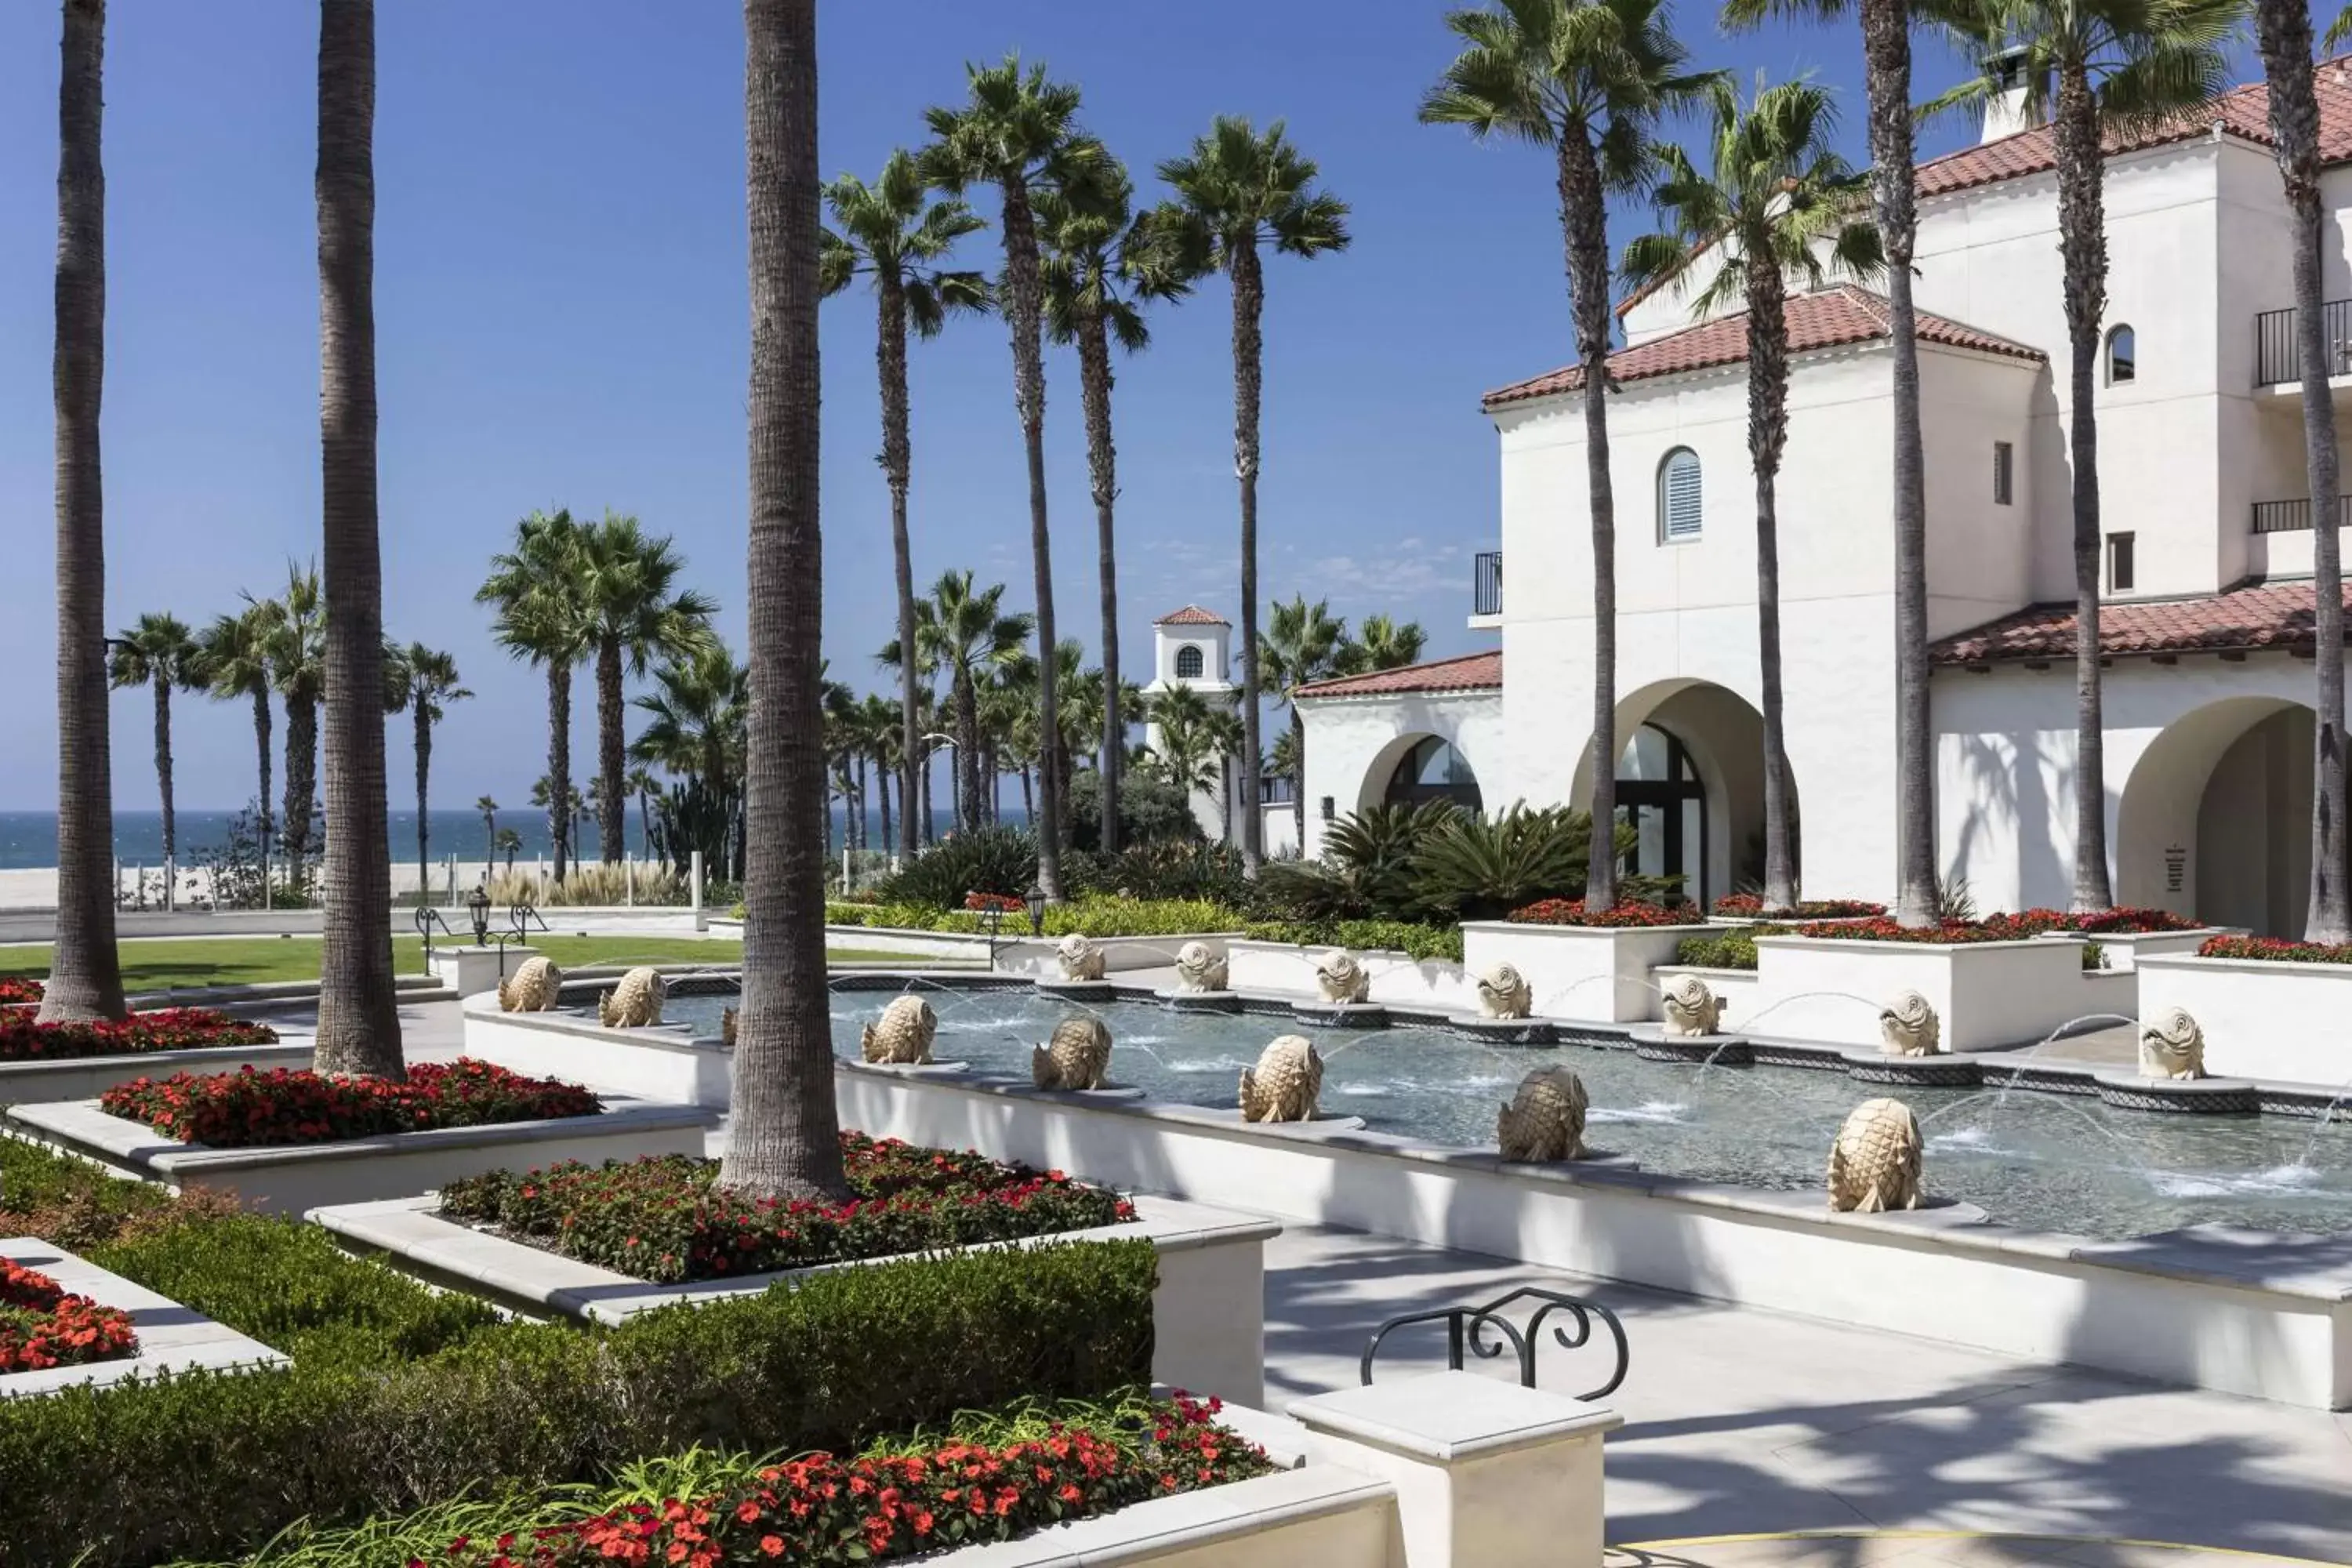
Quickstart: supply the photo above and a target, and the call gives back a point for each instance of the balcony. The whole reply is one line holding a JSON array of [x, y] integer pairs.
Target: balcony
[[2274, 352], [1486, 585], [2294, 516]]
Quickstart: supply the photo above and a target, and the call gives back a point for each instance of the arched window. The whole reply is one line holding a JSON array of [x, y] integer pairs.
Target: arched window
[[2123, 356], [1678, 496], [1189, 663]]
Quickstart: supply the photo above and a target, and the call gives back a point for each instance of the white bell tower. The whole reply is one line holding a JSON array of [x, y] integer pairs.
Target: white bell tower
[[1193, 648]]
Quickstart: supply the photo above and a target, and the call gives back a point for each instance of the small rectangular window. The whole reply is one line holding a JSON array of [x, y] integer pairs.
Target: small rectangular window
[[2004, 465], [2120, 563]]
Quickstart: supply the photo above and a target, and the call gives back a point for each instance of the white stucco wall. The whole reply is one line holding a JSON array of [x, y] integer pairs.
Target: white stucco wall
[[1354, 743]]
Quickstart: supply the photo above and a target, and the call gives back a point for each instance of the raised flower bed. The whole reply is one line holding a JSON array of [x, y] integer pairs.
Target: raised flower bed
[[283, 1140], [2269, 1009], [73, 1061], [64, 1321], [1827, 982], [1750, 907], [15, 990], [666, 1220], [2120, 938], [924, 1499], [1581, 963]]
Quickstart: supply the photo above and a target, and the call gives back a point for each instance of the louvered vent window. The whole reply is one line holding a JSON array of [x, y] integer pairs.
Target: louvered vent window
[[1678, 496]]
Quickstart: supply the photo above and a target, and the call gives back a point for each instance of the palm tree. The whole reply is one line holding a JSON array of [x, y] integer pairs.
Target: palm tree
[[85, 977], [893, 233], [636, 613], [1236, 191], [159, 654], [967, 634], [1589, 79], [881, 734], [1018, 132], [1185, 754], [1379, 642], [1303, 644], [489, 810], [1100, 265], [1776, 195], [784, 1140], [2091, 67], [359, 1019], [2283, 30], [505, 841], [641, 784], [293, 631], [542, 617], [428, 684], [695, 718], [232, 663]]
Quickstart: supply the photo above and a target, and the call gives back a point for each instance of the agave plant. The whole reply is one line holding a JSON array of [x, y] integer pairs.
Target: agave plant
[[1482, 867], [1369, 868]]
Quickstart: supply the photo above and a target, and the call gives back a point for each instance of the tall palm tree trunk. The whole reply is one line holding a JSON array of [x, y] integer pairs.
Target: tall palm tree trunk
[[162, 683], [1767, 438], [85, 976], [1886, 55], [1584, 218], [1249, 374], [1299, 775], [2283, 30], [967, 751], [611, 755], [1095, 381], [2083, 245], [882, 792], [261, 745], [1023, 295], [898, 458], [785, 1140], [931, 834], [559, 759], [359, 1018], [424, 776], [301, 779]]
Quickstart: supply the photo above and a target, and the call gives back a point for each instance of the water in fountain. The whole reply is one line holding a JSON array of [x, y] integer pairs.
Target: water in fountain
[[2034, 1167]]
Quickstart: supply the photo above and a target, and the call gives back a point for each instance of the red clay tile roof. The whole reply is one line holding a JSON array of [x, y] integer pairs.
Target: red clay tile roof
[[1192, 615], [2273, 616], [1468, 672], [2244, 112], [1842, 313]]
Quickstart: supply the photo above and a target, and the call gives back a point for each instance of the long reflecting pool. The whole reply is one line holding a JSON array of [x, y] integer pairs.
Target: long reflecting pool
[[2036, 1161]]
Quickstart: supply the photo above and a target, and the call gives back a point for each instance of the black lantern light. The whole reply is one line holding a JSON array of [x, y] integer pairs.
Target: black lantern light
[[1035, 899], [477, 904]]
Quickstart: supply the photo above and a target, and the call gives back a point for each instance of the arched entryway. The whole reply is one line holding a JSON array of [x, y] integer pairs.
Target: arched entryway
[[2215, 818], [1690, 783], [1433, 769]]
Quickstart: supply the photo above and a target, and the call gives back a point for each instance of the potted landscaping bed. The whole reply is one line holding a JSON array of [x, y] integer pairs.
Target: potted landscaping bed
[[605, 1243], [1583, 965], [286, 1140], [77, 1060], [2268, 1009], [1992, 987], [65, 1322], [1409, 963]]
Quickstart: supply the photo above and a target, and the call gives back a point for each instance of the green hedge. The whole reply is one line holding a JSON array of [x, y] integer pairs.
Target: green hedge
[[212, 1464], [1097, 915], [1733, 949], [1412, 937]]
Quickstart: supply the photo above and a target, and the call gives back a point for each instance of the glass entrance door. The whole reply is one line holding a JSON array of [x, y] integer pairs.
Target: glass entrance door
[[1660, 796]]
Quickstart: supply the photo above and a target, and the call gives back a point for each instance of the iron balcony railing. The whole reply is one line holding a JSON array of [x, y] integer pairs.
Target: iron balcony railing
[[2274, 352], [1486, 585], [2294, 516]]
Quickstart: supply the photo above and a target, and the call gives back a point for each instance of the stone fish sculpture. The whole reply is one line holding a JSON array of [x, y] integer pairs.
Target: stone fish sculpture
[[1285, 1083], [1077, 1057], [2172, 1046], [902, 1036], [1545, 1119], [532, 988], [1503, 992], [1690, 1008], [1908, 1027], [1874, 1164], [1340, 978], [1080, 959], [636, 1002], [1200, 967]]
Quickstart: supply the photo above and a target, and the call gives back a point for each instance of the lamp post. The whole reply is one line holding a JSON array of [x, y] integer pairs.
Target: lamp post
[[477, 906], [1035, 899]]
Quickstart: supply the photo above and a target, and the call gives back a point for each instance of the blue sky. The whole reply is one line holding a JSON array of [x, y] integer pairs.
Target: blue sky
[[562, 321]]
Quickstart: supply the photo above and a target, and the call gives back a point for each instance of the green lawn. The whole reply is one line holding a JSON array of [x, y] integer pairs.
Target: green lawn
[[168, 965]]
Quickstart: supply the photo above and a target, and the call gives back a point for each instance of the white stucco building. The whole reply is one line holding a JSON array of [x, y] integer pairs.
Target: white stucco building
[[2207, 557], [1193, 648]]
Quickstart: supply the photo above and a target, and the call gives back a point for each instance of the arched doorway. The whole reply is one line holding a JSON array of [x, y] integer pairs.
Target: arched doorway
[[1660, 796], [1690, 783], [1432, 769], [2215, 818]]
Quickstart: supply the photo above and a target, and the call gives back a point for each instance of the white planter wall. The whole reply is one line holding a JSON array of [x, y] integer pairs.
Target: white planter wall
[[1988, 994], [1041, 957], [1397, 979], [660, 1065], [86, 1078], [2120, 952], [1591, 973], [2286, 1022]]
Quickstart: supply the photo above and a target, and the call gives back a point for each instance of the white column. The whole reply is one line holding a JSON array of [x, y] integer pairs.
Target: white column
[[694, 889]]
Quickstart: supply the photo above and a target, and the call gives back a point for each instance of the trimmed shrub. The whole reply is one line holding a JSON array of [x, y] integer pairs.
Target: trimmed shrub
[[1412, 937], [212, 1464], [1728, 949], [981, 860], [1150, 811]]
